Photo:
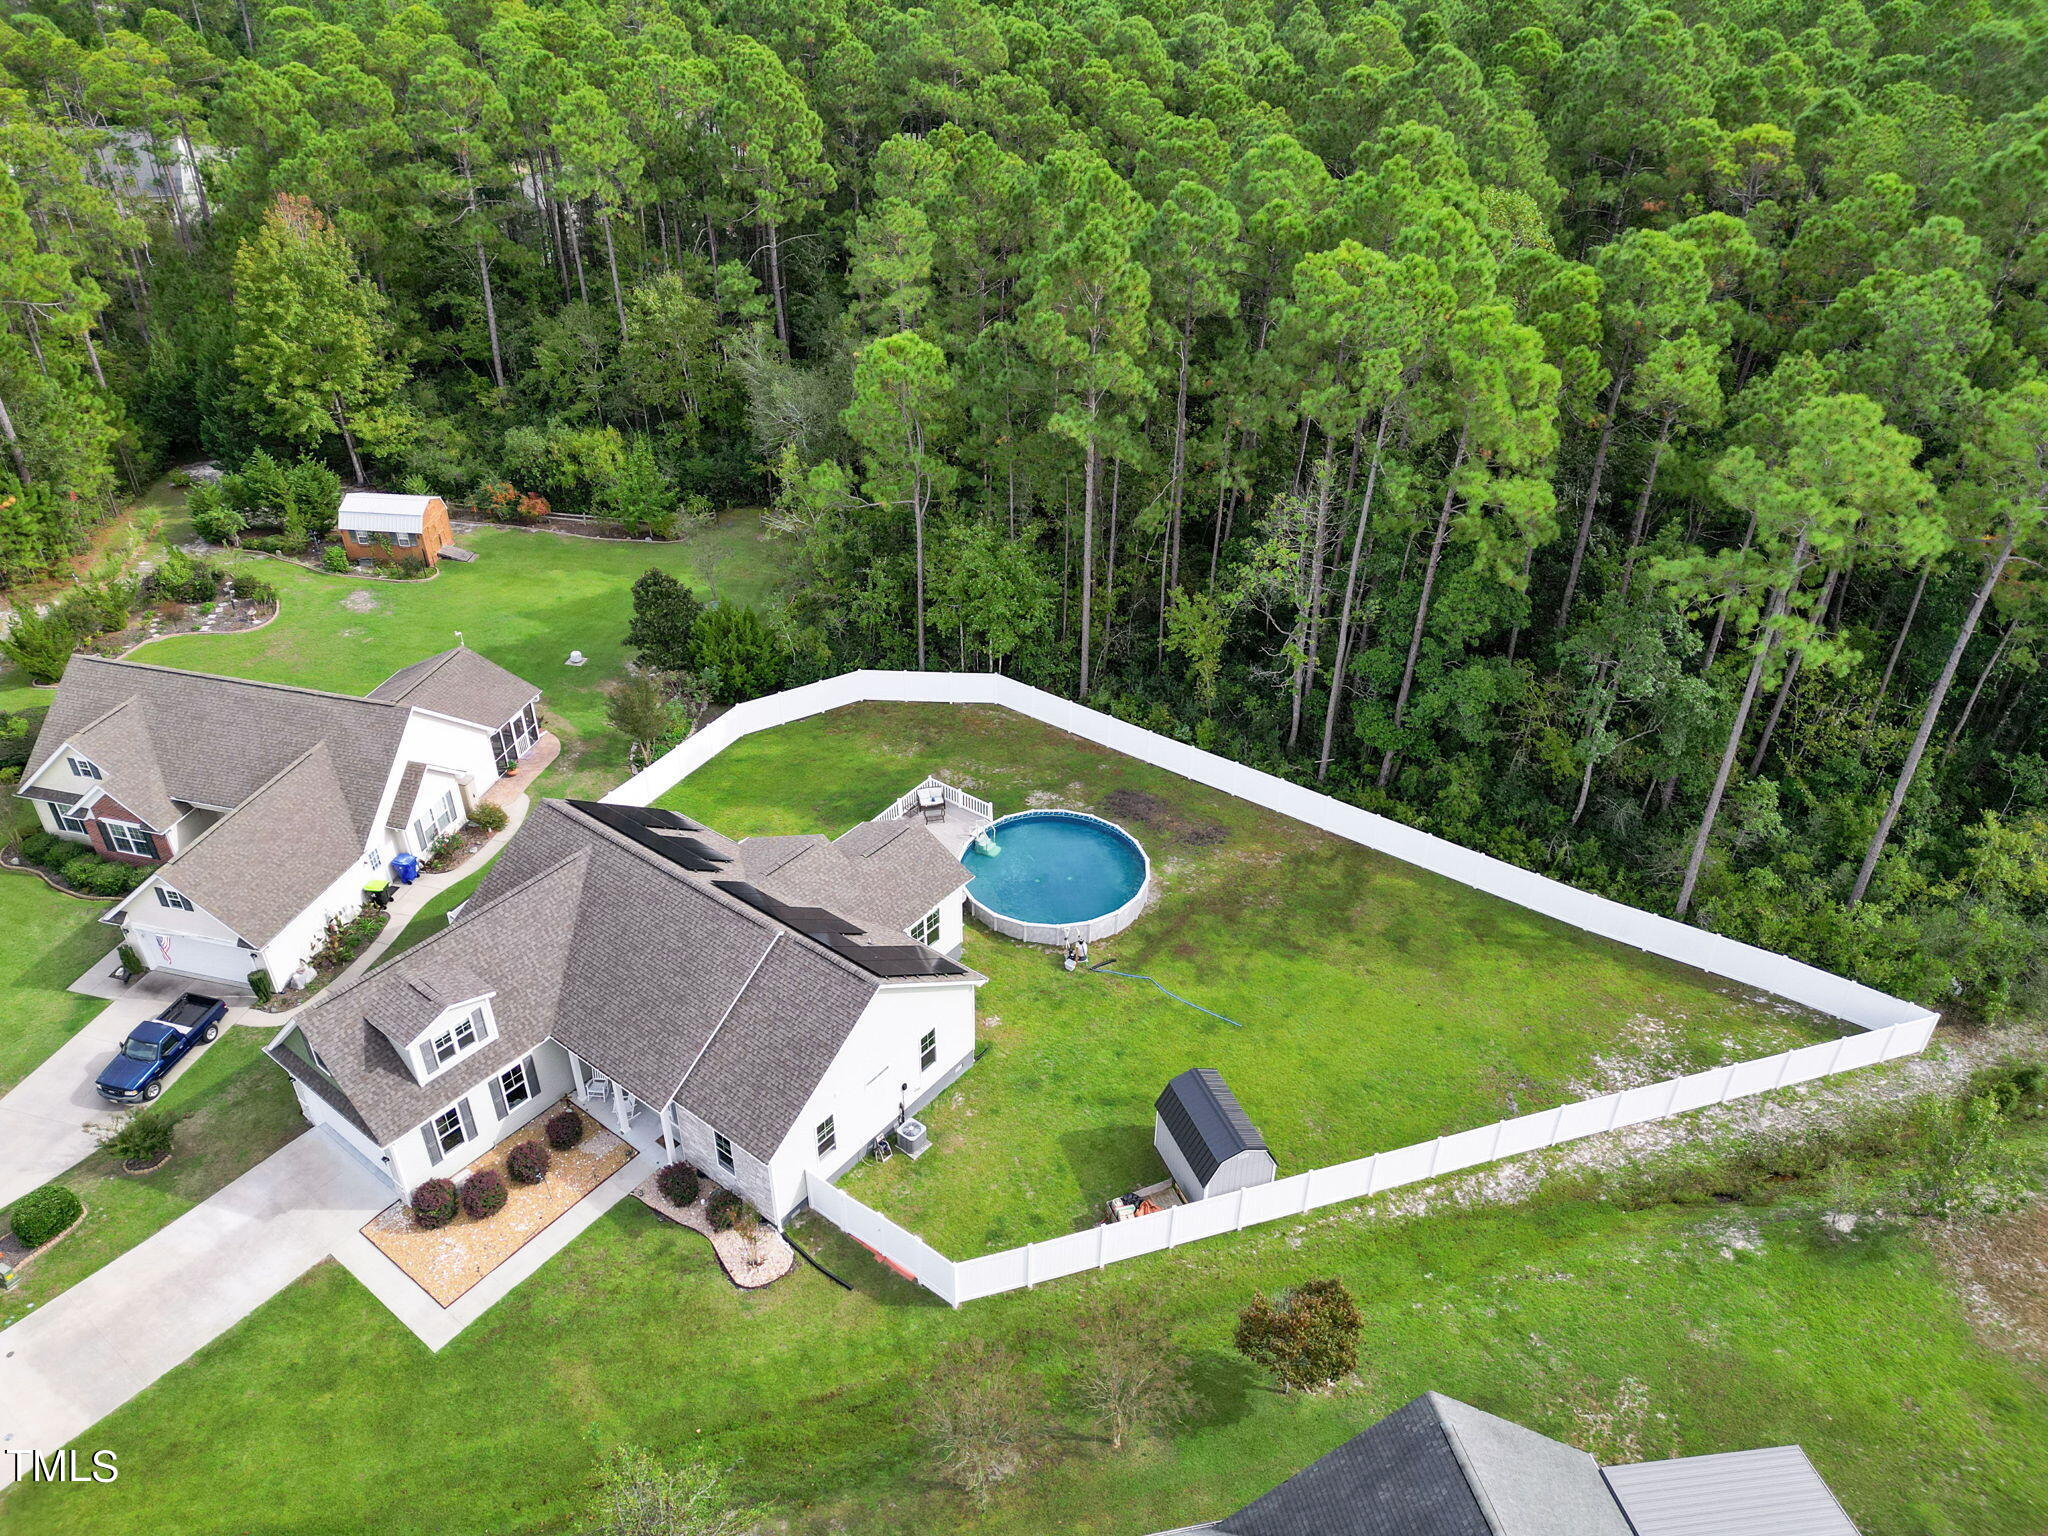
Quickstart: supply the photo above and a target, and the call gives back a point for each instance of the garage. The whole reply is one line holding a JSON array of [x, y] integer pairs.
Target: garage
[[213, 959]]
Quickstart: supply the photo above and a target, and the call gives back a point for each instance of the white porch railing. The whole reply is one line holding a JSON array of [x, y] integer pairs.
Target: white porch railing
[[902, 805]]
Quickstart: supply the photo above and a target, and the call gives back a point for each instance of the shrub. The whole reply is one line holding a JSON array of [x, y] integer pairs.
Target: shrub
[[1308, 1339], [40, 644], [254, 589], [213, 518], [261, 984], [737, 654], [491, 818], [48, 851], [678, 1184], [140, 1136], [132, 961], [483, 1194], [334, 558], [565, 1129], [527, 1162], [345, 937], [727, 1212], [104, 877], [433, 1204], [42, 1213]]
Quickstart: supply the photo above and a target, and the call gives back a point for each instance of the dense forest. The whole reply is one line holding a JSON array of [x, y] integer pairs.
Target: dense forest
[[1612, 436]]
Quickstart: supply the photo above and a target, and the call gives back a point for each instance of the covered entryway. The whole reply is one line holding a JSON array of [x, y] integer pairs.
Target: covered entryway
[[207, 959], [615, 1106]]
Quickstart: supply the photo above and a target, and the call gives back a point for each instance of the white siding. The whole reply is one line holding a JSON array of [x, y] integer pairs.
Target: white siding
[[874, 1076], [301, 936], [408, 1154]]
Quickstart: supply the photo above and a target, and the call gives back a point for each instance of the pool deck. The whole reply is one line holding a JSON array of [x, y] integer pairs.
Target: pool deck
[[956, 831]]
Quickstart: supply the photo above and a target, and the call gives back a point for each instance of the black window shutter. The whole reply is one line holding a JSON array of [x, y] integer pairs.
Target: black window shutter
[[498, 1095]]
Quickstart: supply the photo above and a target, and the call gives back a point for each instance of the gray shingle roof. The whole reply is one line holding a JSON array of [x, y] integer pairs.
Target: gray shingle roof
[[461, 683], [888, 873], [1768, 1492], [668, 984], [260, 865], [402, 797], [119, 745], [1206, 1122], [1438, 1467]]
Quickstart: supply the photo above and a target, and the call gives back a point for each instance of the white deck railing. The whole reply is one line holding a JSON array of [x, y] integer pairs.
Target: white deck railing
[[1893, 1026], [904, 804]]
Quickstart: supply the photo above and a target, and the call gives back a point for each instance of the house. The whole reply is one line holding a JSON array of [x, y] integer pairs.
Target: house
[[379, 527], [265, 808], [1205, 1138], [1439, 1467], [762, 1008]]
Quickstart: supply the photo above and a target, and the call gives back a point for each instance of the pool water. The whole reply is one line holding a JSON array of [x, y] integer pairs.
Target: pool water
[[1054, 867]]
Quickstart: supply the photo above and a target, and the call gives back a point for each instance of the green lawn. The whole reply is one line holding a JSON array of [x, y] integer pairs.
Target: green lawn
[[236, 1109], [311, 1415], [1377, 1005], [527, 602], [51, 939], [433, 917]]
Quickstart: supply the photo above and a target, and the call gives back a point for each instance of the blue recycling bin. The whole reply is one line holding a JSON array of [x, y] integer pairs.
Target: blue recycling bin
[[406, 867]]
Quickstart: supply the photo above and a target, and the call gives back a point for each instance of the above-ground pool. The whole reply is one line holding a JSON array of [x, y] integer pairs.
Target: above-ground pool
[[1050, 877]]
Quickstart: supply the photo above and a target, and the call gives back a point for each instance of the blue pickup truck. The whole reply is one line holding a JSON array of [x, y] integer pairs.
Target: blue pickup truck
[[152, 1049]]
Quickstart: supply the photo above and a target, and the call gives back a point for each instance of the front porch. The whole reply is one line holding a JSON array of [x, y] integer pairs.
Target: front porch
[[616, 1108]]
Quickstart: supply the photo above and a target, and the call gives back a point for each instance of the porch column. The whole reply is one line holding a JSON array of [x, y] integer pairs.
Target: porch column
[[622, 1113]]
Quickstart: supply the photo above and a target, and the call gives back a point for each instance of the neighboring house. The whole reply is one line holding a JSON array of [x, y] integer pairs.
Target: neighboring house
[[140, 166], [378, 527], [267, 808], [1439, 1467], [760, 1008]]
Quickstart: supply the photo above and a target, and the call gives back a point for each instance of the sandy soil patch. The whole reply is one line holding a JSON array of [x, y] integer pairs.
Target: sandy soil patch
[[447, 1262], [2000, 1265], [361, 602], [751, 1260]]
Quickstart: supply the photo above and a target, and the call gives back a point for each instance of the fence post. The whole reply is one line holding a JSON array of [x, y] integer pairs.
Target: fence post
[[1238, 1214], [1307, 1196], [1173, 1225], [1027, 1265], [1101, 1244], [1436, 1151]]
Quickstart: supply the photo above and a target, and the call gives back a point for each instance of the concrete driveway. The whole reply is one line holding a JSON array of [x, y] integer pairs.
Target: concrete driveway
[[72, 1362], [43, 1117]]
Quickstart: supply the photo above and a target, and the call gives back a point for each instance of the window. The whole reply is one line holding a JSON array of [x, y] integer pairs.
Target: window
[[67, 820], [374, 859], [445, 1047], [123, 838], [828, 1136], [928, 1050], [450, 1129], [405, 541], [166, 897], [432, 823], [927, 929], [82, 769], [724, 1149], [515, 1085]]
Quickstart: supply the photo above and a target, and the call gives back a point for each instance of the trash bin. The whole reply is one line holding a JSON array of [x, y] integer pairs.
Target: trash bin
[[378, 891], [406, 867]]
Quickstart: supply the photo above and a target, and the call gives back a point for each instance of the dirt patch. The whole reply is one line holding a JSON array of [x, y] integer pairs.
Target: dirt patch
[[1160, 815], [2000, 1267], [447, 1262], [750, 1259], [361, 602]]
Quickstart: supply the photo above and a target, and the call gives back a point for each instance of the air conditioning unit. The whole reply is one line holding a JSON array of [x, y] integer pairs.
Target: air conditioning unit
[[913, 1138]]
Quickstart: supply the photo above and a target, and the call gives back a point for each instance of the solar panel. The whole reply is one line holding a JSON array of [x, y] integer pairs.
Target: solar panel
[[837, 934], [658, 831]]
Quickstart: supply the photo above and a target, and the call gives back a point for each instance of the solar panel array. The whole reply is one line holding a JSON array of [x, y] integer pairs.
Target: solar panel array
[[660, 832]]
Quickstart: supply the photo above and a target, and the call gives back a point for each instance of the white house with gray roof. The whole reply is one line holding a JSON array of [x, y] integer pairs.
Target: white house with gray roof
[[1439, 1467], [265, 809], [759, 1008]]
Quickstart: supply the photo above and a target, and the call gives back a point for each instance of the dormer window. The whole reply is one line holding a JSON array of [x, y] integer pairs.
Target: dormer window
[[452, 1038], [82, 769]]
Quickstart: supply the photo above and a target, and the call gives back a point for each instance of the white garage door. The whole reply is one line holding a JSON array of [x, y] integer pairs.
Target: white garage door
[[183, 953]]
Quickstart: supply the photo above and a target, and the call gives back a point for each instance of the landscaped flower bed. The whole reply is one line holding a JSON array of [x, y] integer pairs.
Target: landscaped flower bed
[[449, 1257]]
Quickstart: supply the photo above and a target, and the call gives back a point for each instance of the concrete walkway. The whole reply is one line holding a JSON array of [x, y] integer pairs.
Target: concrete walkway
[[43, 1117], [70, 1363]]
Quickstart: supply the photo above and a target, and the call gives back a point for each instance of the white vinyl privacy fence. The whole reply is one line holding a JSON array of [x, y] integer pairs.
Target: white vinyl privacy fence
[[1891, 1026]]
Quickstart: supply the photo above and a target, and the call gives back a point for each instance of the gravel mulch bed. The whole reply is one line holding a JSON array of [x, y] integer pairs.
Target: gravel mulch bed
[[17, 1255], [447, 1262], [751, 1260]]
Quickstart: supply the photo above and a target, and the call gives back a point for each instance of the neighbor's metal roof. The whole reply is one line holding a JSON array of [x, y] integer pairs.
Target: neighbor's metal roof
[[1206, 1122], [1769, 1492], [372, 512]]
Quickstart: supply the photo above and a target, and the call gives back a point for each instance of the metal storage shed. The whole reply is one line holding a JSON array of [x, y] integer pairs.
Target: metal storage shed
[[1206, 1140]]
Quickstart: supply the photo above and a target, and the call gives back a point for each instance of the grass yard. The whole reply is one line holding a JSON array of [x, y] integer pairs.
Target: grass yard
[[51, 939], [529, 600], [1729, 1328], [433, 917], [1379, 1005], [235, 1109]]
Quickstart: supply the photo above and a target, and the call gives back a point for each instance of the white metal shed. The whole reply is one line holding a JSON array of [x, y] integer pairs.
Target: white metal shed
[[1205, 1138], [375, 512]]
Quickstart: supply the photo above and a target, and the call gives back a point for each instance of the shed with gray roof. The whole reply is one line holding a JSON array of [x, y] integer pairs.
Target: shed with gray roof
[[1205, 1138]]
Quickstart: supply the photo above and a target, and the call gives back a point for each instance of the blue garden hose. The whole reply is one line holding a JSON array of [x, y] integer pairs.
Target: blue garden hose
[[1104, 970]]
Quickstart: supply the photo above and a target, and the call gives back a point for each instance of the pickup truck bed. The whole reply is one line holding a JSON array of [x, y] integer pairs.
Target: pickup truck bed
[[191, 1011]]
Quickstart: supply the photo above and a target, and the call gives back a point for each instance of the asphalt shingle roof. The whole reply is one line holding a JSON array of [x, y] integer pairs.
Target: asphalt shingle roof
[[1206, 1122], [461, 683], [663, 981]]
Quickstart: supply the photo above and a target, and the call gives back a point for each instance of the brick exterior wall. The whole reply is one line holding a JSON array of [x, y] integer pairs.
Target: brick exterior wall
[[113, 810]]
